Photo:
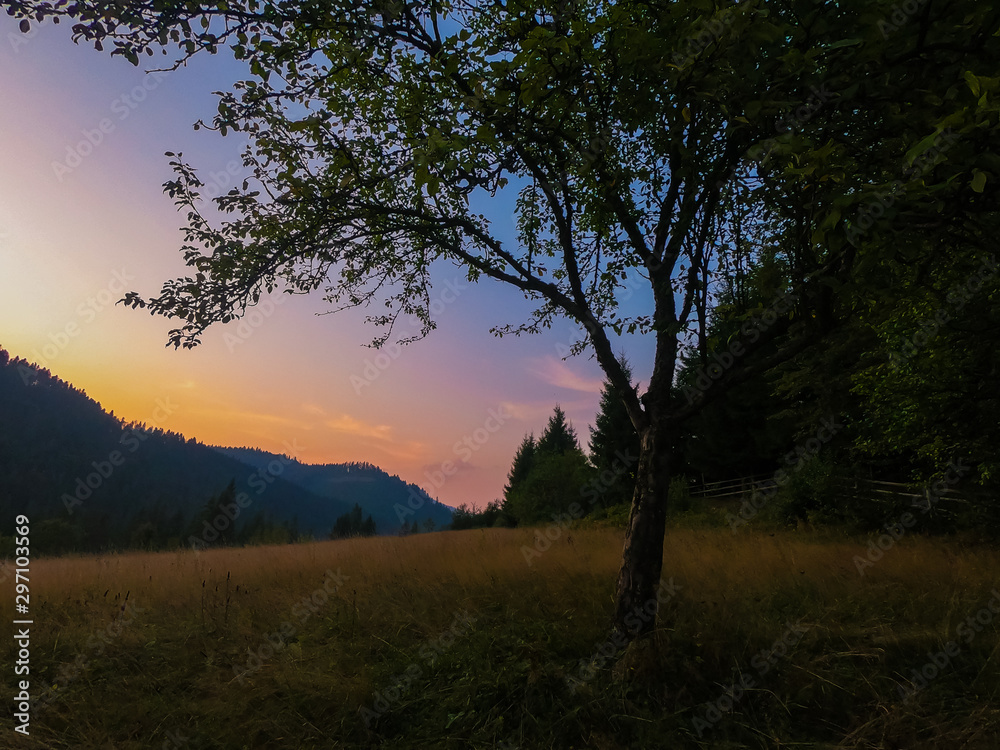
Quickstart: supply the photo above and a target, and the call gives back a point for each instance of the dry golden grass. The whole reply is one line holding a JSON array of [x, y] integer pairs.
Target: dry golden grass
[[203, 614], [709, 561]]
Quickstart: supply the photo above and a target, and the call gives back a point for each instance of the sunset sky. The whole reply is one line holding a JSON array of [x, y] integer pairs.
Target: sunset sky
[[80, 224]]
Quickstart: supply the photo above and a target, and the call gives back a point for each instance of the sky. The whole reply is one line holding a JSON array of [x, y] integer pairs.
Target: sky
[[83, 219]]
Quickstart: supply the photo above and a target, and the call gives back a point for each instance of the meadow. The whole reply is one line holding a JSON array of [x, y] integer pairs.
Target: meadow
[[767, 638]]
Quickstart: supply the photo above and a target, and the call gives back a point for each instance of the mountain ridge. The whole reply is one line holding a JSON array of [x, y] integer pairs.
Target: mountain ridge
[[350, 480], [91, 481]]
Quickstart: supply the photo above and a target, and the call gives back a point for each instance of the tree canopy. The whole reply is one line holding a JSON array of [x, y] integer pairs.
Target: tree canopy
[[547, 475]]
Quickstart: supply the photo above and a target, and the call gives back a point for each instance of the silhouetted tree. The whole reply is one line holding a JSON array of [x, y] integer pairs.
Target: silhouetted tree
[[559, 436], [524, 461], [614, 446], [556, 478], [352, 524]]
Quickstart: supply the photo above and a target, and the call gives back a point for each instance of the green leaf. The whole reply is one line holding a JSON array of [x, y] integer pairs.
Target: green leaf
[[845, 43], [831, 219], [922, 146], [978, 180], [970, 78]]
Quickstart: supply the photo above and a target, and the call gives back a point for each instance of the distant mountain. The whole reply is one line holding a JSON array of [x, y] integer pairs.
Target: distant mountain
[[88, 480], [388, 499]]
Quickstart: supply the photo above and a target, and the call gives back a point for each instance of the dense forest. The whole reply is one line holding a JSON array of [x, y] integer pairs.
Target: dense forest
[[901, 395]]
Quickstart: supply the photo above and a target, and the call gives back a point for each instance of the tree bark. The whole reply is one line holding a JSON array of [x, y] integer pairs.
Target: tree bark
[[642, 559]]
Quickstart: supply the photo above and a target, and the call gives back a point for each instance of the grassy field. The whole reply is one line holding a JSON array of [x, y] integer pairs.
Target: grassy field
[[451, 640]]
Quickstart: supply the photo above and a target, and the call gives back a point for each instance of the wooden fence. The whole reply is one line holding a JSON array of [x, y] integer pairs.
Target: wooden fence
[[732, 489], [947, 500]]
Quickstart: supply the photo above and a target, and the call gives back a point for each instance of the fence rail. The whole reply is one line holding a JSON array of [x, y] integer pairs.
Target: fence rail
[[732, 487], [742, 487]]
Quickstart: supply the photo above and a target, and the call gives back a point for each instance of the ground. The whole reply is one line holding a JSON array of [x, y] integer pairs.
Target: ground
[[766, 638]]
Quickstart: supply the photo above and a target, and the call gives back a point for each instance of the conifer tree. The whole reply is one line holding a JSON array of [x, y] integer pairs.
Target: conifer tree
[[524, 461], [614, 445], [557, 471], [559, 437]]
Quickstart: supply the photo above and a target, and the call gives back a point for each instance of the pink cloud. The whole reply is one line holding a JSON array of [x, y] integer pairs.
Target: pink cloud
[[558, 373]]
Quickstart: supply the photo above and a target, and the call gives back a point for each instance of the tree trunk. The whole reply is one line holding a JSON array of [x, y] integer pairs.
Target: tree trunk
[[639, 579]]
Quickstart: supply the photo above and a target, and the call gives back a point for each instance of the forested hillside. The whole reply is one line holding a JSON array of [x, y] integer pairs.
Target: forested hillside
[[387, 498], [90, 481]]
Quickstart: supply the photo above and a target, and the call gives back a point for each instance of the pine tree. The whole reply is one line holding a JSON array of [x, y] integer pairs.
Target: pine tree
[[551, 474], [212, 517], [351, 524], [559, 437], [614, 445], [524, 461]]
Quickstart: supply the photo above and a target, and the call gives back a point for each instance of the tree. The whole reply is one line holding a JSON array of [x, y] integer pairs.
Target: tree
[[554, 477], [466, 518], [54, 536], [352, 524], [748, 428], [635, 134], [546, 475], [524, 461], [559, 436], [463, 518], [217, 514], [614, 445], [556, 482]]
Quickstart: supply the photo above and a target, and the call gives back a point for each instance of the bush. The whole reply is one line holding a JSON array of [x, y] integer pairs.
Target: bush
[[554, 484], [679, 495], [811, 494]]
